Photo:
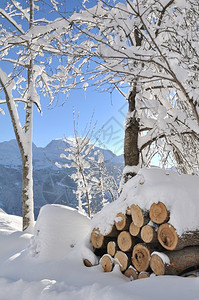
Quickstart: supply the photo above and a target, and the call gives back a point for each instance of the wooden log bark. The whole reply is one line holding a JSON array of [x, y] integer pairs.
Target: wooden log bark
[[123, 259], [123, 222], [174, 262], [134, 230], [169, 239], [106, 262], [139, 217], [124, 241], [158, 213], [131, 272], [112, 248], [141, 257], [149, 234]]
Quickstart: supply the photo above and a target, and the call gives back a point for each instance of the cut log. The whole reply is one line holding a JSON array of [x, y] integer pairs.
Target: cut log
[[124, 241], [139, 217], [106, 262], [123, 222], [97, 239], [174, 262], [169, 239], [158, 213], [134, 230], [131, 272], [100, 240], [149, 234], [87, 263], [143, 275], [128, 211], [112, 248], [141, 257], [123, 259]]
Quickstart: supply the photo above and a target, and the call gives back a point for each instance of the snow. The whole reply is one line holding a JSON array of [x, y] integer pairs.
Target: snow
[[45, 266], [178, 192]]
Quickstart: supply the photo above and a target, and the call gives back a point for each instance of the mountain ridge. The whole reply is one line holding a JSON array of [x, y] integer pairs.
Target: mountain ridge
[[51, 184]]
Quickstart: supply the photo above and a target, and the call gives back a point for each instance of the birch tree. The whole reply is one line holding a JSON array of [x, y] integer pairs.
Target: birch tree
[[30, 47], [150, 48]]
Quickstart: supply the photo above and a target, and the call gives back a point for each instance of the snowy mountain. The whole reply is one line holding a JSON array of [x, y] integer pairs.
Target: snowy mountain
[[51, 184]]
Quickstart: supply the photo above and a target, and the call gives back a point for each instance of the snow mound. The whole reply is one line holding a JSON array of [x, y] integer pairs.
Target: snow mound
[[179, 193], [9, 223], [57, 230]]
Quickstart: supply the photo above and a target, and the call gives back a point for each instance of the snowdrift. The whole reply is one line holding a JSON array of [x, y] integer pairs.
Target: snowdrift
[[57, 231]]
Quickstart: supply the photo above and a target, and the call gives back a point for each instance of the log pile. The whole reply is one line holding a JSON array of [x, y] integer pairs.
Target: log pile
[[144, 242]]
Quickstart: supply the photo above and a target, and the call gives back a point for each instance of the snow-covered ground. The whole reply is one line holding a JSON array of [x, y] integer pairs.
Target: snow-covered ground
[[49, 264]]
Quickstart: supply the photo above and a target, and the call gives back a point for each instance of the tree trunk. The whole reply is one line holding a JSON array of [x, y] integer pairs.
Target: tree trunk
[[131, 150], [24, 140], [27, 192]]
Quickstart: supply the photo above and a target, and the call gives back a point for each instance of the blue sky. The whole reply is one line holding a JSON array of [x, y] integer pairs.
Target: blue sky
[[57, 121]]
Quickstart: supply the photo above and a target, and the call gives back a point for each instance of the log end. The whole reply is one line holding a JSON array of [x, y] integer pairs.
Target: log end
[[121, 222], [158, 213], [167, 236], [124, 241], [143, 275], [97, 239], [87, 263], [137, 215], [131, 273], [121, 259], [157, 265], [106, 262], [111, 248], [141, 257], [148, 234], [133, 229]]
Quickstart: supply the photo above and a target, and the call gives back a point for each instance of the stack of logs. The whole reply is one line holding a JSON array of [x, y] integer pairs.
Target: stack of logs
[[144, 242]]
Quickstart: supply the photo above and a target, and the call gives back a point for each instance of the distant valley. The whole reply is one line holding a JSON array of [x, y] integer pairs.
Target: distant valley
[[51, 184]]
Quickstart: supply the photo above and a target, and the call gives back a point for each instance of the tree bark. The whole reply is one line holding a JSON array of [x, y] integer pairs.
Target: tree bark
[[131, 150]]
